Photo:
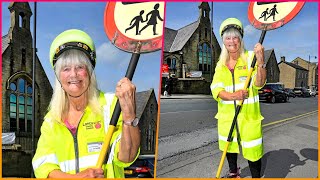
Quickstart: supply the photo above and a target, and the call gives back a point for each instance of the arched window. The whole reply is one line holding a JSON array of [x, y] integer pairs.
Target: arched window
[[20, 105], [204, 55], [22, 22]]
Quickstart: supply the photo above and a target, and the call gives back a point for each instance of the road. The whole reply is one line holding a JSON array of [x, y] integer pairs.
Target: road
[[186, 115], [188, 131]]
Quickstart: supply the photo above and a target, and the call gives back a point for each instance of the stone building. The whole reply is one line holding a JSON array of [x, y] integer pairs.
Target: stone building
[[189, 50], [312, 67], [292, 75], [273, 71], [17, 56], [147, 111]]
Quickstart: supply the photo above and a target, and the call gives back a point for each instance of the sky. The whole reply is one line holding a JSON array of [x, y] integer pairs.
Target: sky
[[56, 17], [298, 38]]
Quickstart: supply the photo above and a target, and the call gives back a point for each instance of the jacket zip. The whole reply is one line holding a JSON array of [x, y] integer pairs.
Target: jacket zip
[[76, 147]]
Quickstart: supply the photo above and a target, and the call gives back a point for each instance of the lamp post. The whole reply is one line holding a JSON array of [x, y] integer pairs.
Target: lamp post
[[181, 63], [311, 74], [315, 57]]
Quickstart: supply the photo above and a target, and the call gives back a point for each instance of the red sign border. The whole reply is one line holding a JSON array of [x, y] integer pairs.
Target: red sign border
[[123, 42], [269, 26]]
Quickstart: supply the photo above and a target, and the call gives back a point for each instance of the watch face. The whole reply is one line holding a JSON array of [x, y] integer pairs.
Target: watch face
[[135, 122]]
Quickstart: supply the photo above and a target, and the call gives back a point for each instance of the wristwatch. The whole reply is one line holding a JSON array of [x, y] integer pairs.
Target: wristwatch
[[262, 65], [133, 122]]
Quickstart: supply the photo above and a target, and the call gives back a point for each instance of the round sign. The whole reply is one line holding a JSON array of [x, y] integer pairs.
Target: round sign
[[272, 15], [135, 26]]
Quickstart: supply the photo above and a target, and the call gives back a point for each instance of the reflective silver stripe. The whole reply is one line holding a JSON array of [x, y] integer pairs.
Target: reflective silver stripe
[[107, 118], [213, 86], [250, 100], [113, 148], [84, 162], [252, 143], [237, 87], [51, 159], [223, 138]]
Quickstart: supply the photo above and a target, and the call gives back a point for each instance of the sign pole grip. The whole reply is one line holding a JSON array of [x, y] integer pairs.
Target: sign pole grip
[[238, 108], [116, 113]]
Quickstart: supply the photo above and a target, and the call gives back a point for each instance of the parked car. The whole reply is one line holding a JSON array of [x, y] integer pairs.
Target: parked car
[[143, 167], [290, 92], [273, 92], [301, 92], [312, 92]]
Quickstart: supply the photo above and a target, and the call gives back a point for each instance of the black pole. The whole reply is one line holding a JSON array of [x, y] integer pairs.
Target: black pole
[[263, 33], [33, 82], [129, 74]]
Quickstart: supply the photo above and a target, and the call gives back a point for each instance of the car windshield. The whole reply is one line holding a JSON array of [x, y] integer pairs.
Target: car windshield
[[273, 86]]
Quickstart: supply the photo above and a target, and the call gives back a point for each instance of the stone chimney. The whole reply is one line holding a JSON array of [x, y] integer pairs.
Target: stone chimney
[[283, 59]]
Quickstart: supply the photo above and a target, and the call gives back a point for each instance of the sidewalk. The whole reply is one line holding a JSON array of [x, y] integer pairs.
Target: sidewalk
[[291, 151], [186, 96]]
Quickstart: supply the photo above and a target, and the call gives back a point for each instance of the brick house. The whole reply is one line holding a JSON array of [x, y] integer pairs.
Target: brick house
[[312, 67], [292, 75]]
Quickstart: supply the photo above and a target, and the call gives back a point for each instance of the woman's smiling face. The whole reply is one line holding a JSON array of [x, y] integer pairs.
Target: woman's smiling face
[[232, 43], [74, 79]]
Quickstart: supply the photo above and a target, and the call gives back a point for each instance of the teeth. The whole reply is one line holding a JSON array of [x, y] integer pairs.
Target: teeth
[[74, 82]]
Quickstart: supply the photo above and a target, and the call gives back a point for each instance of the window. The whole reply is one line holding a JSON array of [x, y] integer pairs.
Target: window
[[22, 22], [204, 53], [20, 105]]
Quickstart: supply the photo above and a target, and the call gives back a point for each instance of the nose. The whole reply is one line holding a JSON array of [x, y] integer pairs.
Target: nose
[[73, 72]]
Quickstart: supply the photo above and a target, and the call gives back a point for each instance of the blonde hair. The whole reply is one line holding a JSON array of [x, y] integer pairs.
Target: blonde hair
[[59, 104], [224, 56]]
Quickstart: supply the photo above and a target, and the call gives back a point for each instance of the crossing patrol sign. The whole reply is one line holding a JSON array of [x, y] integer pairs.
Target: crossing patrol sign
[[130, 23], [272, 15]]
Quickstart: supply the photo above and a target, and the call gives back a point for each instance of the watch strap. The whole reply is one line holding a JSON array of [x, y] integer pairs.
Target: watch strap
[[131, 122]]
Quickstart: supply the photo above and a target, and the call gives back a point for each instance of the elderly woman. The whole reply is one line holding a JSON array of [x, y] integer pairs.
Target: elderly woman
[[73, 131], [228, 88]]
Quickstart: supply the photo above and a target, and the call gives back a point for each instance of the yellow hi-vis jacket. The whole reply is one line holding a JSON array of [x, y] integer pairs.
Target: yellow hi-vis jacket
[[59, 149], [249, 118]]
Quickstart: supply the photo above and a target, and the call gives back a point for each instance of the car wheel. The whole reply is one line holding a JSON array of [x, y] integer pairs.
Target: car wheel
[[273, 99], [285, 98]]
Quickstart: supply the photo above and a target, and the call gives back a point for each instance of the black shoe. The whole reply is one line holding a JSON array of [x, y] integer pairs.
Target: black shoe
[[233, 175]]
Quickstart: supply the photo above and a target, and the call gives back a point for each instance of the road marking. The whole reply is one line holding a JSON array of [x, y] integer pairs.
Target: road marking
[[287, 119], [306, 126]]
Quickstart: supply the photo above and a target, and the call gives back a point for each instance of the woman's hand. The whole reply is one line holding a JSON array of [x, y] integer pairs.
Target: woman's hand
[[126, 91], [88, 173], [91, 173], [261, 72], [240, 95], [259, 52]]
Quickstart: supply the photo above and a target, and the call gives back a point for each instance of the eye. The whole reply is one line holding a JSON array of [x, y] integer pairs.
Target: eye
[[80, 67], [66, 69]]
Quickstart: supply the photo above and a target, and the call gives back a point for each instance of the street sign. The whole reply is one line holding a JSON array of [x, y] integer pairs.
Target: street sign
[[129, 23], [272, 15]]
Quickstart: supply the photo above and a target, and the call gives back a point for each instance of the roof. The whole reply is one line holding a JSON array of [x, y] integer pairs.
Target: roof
[[5, 42], [299, 58], [142, 99], [170, 34], [294, 65], [267, 55], [181, 37]]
